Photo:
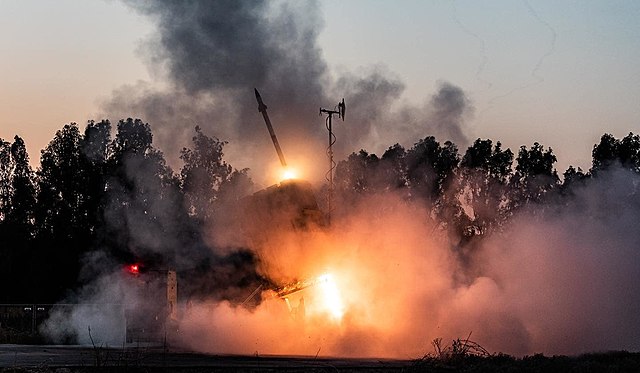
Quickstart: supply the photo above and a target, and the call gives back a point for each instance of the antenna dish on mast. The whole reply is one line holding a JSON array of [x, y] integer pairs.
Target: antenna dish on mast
[[341, 108]]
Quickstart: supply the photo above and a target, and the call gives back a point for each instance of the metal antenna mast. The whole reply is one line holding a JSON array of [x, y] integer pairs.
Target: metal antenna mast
[[341, 108]]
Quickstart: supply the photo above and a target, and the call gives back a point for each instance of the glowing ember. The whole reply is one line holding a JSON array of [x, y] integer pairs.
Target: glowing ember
[[331, 295]]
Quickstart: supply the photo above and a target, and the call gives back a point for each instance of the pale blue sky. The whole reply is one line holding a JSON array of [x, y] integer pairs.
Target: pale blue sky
[[558, 72]]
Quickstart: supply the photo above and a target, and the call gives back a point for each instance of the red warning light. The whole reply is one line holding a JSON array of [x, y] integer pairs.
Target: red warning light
[[134, 269]]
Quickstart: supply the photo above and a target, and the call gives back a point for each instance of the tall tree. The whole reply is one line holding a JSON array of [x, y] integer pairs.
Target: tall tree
[[203, 174], [18, 224], [535, 175], [356, 175], [485, 172], [6, 249], [145, 216], [23, 197], [212, 187], [61, 184], [60, 219], [431, 167], [6, 167], [94, 147], [393, 168]]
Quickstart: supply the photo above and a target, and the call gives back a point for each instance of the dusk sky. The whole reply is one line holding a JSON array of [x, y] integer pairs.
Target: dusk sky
[[558, 72]]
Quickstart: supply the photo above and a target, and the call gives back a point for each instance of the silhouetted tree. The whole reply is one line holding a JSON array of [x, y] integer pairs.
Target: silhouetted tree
[[571, 178], [94, 147], [7, 250], [629, 152], [203, 174], [18, 224], [431, 167], [605, 152], [534, 177], [61, 184], [611, 151], [485, 172], [23, 198], [6, 166], [137, 188], [393, 168], [357, 175], [212, 188], [145, 215], [61, 220]]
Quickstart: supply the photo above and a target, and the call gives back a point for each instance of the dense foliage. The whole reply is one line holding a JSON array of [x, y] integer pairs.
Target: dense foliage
[[97, 202]]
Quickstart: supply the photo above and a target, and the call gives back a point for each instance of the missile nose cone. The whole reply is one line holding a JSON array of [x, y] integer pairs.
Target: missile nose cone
[[261, 105]]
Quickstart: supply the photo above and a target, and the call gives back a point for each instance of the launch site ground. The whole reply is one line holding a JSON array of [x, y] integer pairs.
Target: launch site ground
[[67, 359], [61, 359]]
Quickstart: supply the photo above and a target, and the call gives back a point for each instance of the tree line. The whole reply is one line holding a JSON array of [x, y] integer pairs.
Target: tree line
[[474, 194], [97, 200]]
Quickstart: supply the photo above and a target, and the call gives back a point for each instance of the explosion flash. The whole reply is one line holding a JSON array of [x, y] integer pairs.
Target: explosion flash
[[328, 296], [331, 298]]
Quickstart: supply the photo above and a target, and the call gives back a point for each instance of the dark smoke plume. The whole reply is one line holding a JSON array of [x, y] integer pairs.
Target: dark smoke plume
[[214, 53]]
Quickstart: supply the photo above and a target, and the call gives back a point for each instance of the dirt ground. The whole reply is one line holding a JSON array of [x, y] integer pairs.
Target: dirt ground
[[67, 359], [77, 359]]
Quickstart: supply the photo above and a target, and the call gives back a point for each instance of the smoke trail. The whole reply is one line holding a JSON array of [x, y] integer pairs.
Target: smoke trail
[[534, 72], [483, 48], [552, 43]]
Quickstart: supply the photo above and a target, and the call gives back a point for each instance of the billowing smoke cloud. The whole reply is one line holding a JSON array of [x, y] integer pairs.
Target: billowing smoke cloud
[[214, 54], [210, 56], [377, 118], [558, 280], [570, 275], [554, 281]]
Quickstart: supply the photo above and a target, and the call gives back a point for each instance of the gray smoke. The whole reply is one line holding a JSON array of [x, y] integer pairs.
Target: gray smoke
[[214, 53], [554, 281], [210, 56], [567, 277]]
